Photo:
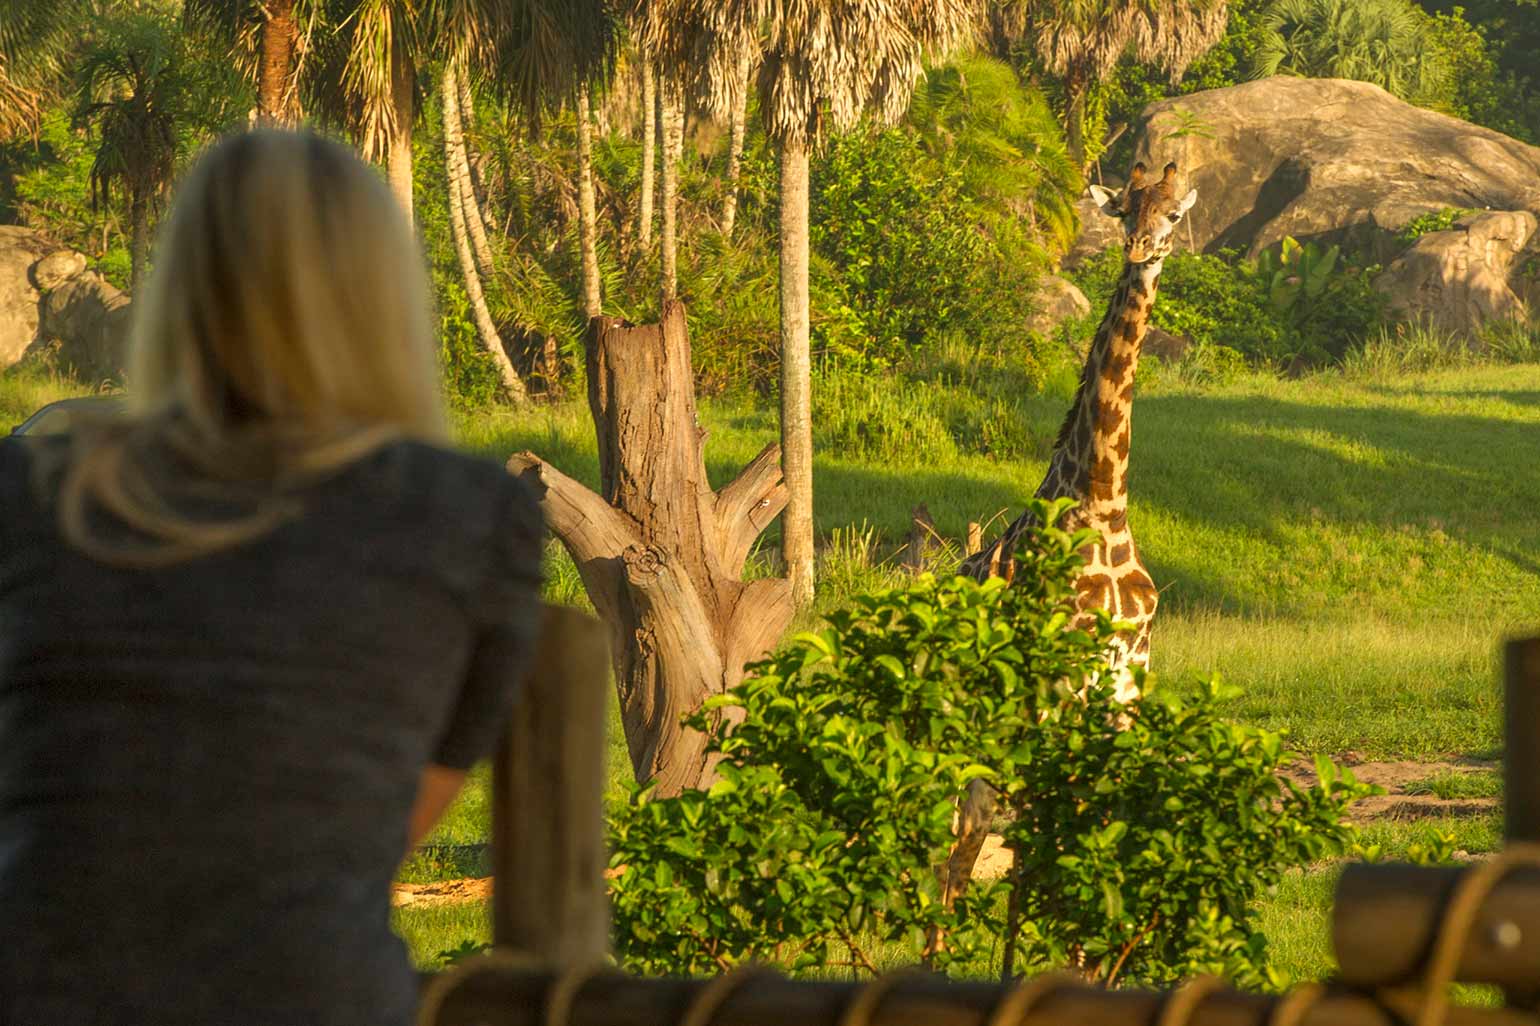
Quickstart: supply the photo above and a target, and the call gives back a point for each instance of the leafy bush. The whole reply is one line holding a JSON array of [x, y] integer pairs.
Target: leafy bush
[[1210, 298], [886, 219], [1325, 307], [1432, 221], [1143, 832], [1386, 42]]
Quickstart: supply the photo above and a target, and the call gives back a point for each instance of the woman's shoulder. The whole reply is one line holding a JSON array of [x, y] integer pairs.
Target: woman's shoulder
[[430, 483], [23, 457]]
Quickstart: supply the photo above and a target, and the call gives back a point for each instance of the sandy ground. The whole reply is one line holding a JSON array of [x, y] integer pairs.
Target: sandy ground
[[1395, 804]]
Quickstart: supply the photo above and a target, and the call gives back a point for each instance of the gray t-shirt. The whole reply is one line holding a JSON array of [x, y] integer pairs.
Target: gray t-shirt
[[206, 770]]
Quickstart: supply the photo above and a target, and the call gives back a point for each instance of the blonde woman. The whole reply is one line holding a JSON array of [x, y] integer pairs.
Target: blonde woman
[[253, 631]]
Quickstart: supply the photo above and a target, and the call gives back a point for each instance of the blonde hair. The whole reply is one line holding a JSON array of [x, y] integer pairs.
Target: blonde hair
[[283, 334]]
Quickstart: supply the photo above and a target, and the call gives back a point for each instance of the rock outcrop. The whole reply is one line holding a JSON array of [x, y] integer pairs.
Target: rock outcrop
[[1057, 301], [20, 251], [50, 300], [1326, 159], [1461, 279]]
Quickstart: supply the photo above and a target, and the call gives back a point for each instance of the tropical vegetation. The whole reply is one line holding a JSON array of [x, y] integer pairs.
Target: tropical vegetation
[[856, 204]]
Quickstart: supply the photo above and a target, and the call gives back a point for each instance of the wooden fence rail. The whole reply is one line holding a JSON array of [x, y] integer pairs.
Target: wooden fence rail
[[1402, 933]]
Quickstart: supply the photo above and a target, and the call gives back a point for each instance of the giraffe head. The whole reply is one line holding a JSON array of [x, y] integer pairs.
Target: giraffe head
[[1149, 211]]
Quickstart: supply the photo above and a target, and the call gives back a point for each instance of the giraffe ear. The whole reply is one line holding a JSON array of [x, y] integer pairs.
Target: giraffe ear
[[1107, 201], [1186, 202]]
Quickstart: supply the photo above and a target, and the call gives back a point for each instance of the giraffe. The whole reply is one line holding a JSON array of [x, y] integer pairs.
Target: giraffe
[[1090, 464]]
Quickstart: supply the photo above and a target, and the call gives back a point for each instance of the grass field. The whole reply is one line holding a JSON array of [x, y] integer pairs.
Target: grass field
[[1349, 550]]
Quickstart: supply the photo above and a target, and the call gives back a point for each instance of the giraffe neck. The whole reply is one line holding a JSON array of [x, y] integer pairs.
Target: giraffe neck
[[1090, 459]]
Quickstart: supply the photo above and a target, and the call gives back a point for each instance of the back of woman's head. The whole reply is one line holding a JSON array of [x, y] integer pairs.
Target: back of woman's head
[[284, 332]]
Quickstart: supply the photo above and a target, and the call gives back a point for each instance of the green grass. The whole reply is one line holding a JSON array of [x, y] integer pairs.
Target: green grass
[[1349, 549], [1351, 552], [428, 931], [1454, 784]]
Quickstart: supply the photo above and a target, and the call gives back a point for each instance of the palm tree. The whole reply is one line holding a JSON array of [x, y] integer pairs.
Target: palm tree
[[140, 85], [736, 131], [272, 29], [1080, 42], [588, 218], [976, 112], [649, 151], [35, 39], [826, 64], [462, 210], [361, 76], [549, 54], [671, 130], [1379, 41]]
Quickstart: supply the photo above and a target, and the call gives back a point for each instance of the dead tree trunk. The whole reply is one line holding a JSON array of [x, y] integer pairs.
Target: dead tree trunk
[[661, 555]]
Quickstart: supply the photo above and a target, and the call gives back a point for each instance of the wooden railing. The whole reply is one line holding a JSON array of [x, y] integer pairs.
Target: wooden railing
[[1402, 934]]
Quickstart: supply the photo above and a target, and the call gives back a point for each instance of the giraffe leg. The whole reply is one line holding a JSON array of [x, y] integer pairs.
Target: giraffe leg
[[975, 813]]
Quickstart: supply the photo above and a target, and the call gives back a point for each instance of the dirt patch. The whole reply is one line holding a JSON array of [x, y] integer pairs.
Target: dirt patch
[[441, 892], [1399, 801]]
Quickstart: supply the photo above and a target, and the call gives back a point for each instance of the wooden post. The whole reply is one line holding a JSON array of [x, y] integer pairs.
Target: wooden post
[[975, 540], [548, 892], [922, 539], [1521, 751]]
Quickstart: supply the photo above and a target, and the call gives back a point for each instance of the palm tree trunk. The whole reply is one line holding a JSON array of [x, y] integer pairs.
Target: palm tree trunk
[[458, 166], [649, 152], [588, 218], [796, 375], [279, 33], [486, 331], [672, 124], [1075, 88], [739, 122], [403, 83], [139, 240]]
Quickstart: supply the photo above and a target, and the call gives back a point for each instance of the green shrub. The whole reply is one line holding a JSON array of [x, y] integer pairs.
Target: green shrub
[[1141, 844], [895, 229], [1386, 42], [1325, 306], [1210, 298], [1432, 221], [471, 379]]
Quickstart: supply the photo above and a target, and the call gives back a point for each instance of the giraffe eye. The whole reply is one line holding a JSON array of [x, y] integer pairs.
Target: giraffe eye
[[1173, 218]]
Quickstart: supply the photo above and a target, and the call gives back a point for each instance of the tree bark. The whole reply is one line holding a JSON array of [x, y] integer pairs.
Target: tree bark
[[279, 34], [649, 152], [457, 155], [796, 374], [403, 89], [736, 130], [588, 218], [672, 126], [139, 237], [486, 331], [1074, 120], [661, 555]]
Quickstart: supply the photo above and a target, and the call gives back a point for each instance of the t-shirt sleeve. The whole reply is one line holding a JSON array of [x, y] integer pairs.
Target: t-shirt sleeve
[[506, 610]]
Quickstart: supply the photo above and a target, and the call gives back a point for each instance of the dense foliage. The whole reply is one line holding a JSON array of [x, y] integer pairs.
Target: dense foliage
[[1293, 305], [837, 784], [908, 257]]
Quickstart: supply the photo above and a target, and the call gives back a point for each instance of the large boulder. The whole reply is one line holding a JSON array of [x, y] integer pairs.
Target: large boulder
[[1460, 279], [20, 249], [1058, 300], [50, 301], [1326, 159], [1097, 232]]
